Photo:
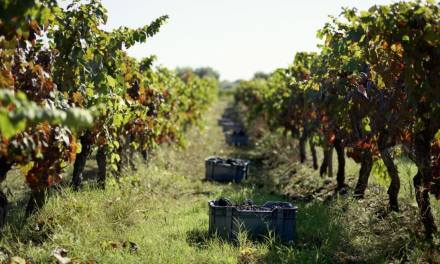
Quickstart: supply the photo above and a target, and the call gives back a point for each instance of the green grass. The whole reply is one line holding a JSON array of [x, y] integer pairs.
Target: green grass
[[162, 210]]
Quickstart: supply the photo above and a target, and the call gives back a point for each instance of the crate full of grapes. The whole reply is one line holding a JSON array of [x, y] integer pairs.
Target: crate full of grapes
[[227, 219]]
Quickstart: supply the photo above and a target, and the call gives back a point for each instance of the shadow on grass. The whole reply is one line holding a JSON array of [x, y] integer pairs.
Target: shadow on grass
[[198, 238]]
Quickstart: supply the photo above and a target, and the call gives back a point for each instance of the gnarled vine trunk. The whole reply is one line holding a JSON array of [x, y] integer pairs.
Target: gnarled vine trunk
[[393, 190], [324, 164], [327, 166], [125, 154], [340, 176], [121, 152], [364, 174], [145, 155], [313, 151], [80, 163], [128, 153], [302, 147], [422, 180], [101, 159], [330, 162], [5, 166], [3, 211], [36, 201]]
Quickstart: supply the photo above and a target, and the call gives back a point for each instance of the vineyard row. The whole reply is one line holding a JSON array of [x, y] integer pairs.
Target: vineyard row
[[68, 87], [373, 92]]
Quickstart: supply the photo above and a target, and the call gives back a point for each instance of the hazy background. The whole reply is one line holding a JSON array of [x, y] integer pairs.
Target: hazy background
[[235, 37]]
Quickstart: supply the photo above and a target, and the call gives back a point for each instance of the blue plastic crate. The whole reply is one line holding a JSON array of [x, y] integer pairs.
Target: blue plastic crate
[[218, 170], [237, 139], [228, 126], [227, 221]]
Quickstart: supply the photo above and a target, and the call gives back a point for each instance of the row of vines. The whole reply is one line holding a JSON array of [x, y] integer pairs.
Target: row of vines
[[69, 88], [373, 89]]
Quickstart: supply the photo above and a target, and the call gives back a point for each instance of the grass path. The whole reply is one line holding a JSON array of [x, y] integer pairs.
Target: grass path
[[161, 208], [159, 213]]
